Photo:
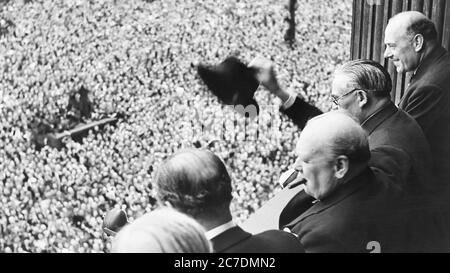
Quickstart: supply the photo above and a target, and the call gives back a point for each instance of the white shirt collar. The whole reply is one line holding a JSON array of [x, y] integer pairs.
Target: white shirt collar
[[212, 233]]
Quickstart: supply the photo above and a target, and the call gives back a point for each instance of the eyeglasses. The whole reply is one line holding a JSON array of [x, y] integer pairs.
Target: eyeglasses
[[336, 100]]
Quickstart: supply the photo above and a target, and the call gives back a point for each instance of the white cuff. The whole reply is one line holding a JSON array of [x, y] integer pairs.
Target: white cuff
[[290, 101]]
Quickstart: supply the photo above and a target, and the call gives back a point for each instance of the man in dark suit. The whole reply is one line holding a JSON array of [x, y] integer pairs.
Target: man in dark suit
[[355, 208], [412, 44], [362, 87], [197, 183]]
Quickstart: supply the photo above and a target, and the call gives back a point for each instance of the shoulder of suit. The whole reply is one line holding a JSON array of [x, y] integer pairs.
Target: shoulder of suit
[[425, 88], [435, 76], [401, 121]]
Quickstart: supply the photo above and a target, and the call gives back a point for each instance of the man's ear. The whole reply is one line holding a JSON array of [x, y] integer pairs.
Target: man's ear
[[342, 166], [363, 99], [418, 42]]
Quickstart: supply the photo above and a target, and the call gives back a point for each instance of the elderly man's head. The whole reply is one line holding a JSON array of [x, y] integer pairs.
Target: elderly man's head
[[194, 182], [332, 149], [358, 86], [407, 36]]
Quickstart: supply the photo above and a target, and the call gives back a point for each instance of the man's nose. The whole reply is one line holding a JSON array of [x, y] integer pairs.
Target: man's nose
[[387, 53]]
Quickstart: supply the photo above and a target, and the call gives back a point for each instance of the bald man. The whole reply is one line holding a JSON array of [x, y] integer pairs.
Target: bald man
[[412, 45], [354, 208]]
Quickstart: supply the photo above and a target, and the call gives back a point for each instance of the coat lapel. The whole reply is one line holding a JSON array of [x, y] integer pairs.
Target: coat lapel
[[423, 68], [427, 62]]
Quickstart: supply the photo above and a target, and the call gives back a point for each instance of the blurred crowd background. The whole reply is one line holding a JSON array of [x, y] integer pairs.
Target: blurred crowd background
[[135, 57]]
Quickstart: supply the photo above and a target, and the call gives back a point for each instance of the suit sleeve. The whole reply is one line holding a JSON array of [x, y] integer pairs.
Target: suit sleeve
[[426, 105], [300, 112]]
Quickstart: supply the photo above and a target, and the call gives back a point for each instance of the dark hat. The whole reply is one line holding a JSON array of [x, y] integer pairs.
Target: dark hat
[[231, 81], [114, 221]]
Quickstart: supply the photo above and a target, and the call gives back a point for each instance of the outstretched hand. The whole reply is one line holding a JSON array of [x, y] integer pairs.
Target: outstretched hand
[[265, 73]]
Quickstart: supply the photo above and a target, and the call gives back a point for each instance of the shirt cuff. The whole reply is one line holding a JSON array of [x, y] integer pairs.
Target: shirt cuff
[[289, 102]]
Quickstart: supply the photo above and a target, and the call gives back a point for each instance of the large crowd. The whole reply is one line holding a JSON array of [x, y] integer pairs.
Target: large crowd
[[135, 56]]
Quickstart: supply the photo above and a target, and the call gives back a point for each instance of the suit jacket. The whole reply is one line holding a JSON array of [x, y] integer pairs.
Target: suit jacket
[[370, 214], [356, 215], [398, 147], [427, 100], [236, 240]]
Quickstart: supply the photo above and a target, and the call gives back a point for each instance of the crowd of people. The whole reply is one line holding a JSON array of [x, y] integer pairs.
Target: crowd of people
[[135, 57]]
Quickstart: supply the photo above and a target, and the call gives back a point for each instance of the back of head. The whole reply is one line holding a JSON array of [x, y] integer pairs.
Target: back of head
[[414, 22], [162, 231], [337, 133], [194, 181], [368, 75]]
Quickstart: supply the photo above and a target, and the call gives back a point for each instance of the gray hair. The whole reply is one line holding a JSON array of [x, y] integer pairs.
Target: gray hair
[[368, 75], [162, 231]]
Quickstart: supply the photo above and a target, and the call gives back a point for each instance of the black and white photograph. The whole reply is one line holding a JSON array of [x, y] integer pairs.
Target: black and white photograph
[[233, 127]]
